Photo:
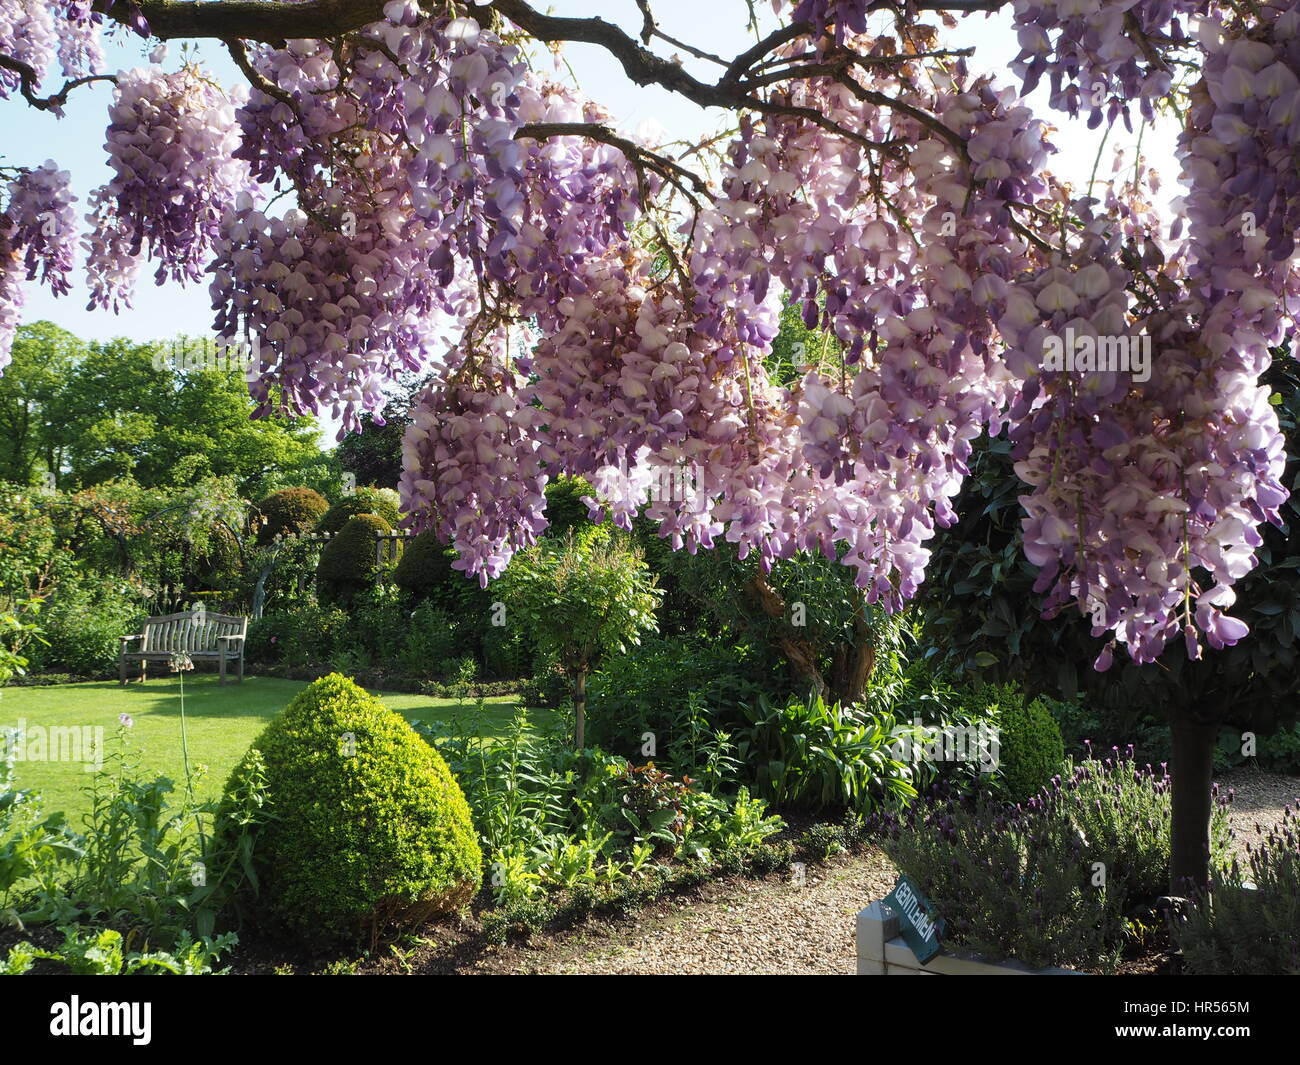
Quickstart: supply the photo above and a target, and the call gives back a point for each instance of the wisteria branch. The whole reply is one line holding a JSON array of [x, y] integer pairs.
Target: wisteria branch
[[666, 168], [29, 79]]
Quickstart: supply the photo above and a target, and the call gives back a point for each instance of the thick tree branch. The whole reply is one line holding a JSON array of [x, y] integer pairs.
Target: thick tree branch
[[271, 21], [263, 20], [253, 20]]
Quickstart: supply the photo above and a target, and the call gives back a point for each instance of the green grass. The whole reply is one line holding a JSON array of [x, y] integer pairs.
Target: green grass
[[221, 724]]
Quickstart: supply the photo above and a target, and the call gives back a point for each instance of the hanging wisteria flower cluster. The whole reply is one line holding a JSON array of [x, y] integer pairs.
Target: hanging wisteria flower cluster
[[414, 196], [171, 142], [42, 225], [1099, 55], [41, 34], [409, 188]]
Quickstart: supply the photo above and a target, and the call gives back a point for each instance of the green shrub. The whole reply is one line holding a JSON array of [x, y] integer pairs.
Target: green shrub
[[348, 564], [506, 652], [1030, 751], [430, 642], [565, 509], [262, 644], [380, 624], [287, 512], [649, 688], [1010, 882], [370, 833], [1248, 923], [81, 624], [383, 502], [1050, 881], [425, 566], [308, 636]]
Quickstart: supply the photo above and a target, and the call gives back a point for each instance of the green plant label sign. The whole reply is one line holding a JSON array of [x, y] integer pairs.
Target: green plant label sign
[[920, 925]]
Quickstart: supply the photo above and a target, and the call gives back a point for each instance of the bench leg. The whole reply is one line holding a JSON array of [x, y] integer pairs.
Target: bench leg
[[241, 669], [121, 670], [144, 670], [223, 670]]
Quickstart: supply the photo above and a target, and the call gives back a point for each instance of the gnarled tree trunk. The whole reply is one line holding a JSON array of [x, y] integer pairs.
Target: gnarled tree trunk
[[851, 664]]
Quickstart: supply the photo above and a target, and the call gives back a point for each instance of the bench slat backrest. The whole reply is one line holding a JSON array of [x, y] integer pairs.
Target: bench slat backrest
[[190, 632]]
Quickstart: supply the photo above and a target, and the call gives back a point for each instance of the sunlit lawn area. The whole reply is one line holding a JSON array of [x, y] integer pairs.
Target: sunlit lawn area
[[221, 723]]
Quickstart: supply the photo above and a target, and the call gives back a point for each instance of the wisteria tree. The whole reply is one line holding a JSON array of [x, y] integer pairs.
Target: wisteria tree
[[397, 188]]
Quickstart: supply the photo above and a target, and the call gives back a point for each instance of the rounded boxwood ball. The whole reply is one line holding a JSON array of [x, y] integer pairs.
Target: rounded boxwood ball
[[365, 500], [347, 563], [289, 511], [425, 566], [369, 834]]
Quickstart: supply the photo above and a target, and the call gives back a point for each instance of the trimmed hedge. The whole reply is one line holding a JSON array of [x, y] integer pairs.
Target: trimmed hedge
[[347, 563], [425, 566], [1031, 750], [369, 834]]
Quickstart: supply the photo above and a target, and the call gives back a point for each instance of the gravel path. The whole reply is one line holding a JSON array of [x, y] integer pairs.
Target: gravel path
[[1258, 802], [741, 927]]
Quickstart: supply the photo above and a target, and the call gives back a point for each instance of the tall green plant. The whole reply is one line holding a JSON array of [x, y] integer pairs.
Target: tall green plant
[[582, 598], [808, 752]]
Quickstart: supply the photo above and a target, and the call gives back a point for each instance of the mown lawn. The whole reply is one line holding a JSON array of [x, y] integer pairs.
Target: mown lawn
[[221, 723]]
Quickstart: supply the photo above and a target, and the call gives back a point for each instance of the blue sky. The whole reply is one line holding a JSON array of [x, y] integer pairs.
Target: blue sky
[[76, 142]]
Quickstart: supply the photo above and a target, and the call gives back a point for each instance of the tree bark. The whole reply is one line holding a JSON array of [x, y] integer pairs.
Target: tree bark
[[1193, 771], [800, 653], [860, 663], [580, 711]]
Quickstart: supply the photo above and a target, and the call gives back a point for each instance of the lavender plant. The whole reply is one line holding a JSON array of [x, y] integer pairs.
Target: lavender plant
[[1051, 881], [1248, 921]]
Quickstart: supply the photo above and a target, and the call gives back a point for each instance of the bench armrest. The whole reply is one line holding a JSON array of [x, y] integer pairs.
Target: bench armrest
[[124, 640], [221, 639]]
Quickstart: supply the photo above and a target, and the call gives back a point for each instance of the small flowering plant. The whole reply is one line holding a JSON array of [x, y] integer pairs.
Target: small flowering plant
[[180, 663]]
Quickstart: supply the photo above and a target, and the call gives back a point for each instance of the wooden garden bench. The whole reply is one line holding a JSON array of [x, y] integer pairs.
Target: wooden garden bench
[[204, 637]]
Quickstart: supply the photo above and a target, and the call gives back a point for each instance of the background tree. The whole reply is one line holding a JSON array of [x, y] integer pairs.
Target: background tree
[[43, 360], [92, 413], [373, 453]]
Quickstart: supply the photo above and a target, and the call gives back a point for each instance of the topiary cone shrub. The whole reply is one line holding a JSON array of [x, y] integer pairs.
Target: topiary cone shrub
[[289, 511], [425, 566], [347, 563], [1031, 750], [368, 834]]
